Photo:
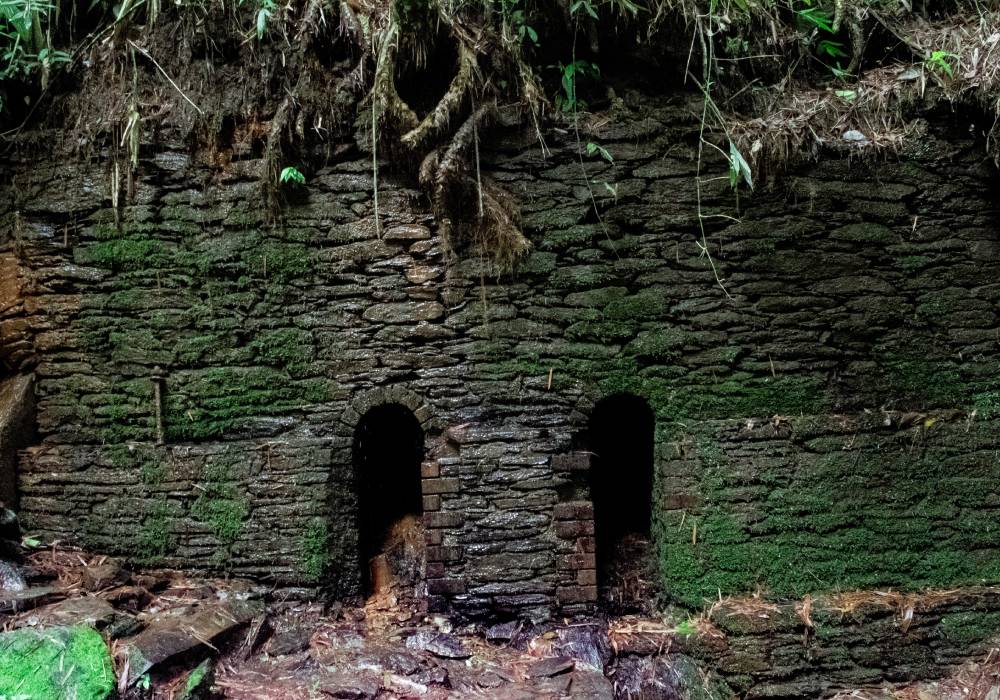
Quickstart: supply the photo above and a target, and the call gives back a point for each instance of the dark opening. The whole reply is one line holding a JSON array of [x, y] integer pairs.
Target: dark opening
[[388, 449], [621, 486]]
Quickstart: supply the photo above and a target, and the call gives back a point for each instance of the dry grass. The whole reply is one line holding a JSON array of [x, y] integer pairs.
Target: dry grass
[[874, 113]]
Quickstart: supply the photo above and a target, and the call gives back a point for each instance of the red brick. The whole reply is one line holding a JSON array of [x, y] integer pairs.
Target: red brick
[[429, 470], [443, 519], [572, 462], [440, 485], [432, 503], [445, 586], [574, 510], [444, 553], [576, 594], [575, 562], [571, 529]]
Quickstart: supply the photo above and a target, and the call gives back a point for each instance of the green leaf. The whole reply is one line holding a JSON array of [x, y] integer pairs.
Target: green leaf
[[292, 174], [600, 150], [263, 15], [738, 167]]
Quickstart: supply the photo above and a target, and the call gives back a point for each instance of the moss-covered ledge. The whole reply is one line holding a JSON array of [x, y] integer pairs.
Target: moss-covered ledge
[[813, 647]]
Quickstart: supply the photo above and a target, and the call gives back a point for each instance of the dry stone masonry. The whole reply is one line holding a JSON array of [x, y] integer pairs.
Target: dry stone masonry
[[831, 422]]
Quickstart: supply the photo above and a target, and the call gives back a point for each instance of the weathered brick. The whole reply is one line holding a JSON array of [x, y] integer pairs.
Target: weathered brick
[[576, 594], [572, 462], [430, 470], [445, 586], [586, 577], [433, 537], [443, 519], [444, 553], [435, 569], [440, 485], [573, 510]]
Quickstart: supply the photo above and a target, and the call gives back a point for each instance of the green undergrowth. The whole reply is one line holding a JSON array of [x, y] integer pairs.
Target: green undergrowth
[[53, 663]]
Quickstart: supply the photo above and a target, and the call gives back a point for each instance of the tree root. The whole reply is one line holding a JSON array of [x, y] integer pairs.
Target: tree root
[[437, 121], [494, 231]]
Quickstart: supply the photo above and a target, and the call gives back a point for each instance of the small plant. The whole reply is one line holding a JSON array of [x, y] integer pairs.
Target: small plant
[[568, 100], [739, 169], [687, 628], [293, 175], [515, 19], [596, 148], [265, 10], [940, 62]]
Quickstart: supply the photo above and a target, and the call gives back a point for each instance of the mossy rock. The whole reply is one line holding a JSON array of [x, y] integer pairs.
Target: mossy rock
[[58, 662]]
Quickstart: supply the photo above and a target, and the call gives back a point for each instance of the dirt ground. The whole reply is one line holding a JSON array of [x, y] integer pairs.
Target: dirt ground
[[171, 636]]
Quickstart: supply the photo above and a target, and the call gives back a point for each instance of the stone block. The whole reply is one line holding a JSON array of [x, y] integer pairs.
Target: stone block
[[430, 469], [586, 577], [435, 569], [575, 562], [571, 529], [444, 553], [433, 537]]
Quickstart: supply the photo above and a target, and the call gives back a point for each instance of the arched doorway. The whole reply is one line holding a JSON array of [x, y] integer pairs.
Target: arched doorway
[[621, 486], [387, 451]]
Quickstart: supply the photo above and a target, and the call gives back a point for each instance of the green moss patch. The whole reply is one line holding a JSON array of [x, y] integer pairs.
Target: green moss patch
[[53, 663], [315, 548]]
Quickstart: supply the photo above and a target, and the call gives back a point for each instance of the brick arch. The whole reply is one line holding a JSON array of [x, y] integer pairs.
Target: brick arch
[[404, 396]]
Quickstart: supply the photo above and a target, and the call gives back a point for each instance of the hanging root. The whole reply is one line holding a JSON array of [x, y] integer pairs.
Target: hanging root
[[493, 230], [438, 120], [389, 107]]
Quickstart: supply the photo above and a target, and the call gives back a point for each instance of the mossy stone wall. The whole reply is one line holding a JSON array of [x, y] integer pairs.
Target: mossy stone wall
[[800, 504], [848, 287]]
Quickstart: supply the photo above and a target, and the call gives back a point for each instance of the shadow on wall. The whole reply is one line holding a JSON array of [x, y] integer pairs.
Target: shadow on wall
[[17, 430], [387, 451]]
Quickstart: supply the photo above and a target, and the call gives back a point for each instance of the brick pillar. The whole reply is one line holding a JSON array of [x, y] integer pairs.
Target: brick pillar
[[438, 520], [577, 566]]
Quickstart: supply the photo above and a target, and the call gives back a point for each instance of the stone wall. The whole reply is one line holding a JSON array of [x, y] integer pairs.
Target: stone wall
[[850, 286]]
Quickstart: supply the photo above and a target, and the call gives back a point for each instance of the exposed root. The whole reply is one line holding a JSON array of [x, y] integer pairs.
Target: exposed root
[[438, 120], [493, 231]]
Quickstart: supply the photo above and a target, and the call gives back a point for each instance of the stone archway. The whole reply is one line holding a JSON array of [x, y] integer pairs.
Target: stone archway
[[391, 431]]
